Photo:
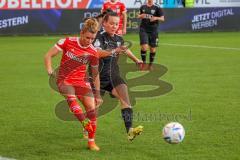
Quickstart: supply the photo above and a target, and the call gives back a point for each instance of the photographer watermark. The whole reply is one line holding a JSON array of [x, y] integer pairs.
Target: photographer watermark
[[162, 116]]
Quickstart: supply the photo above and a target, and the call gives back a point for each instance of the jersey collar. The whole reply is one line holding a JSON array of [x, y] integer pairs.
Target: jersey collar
[[78, 42], [113, 2]]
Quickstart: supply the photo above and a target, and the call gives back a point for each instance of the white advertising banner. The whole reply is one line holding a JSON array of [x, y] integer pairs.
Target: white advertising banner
[[217, 3], [133, 3]]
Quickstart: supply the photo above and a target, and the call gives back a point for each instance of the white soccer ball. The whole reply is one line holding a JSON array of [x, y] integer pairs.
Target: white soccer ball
[[173, 133]]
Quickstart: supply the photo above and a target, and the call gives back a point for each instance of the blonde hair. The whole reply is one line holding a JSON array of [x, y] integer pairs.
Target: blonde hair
[[90, 25]]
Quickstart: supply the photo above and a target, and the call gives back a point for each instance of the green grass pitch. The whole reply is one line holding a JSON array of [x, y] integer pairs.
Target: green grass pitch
[[202, 67]]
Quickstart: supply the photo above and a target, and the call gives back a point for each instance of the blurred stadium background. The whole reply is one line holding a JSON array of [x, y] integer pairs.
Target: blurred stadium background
[[199, 45], [59, 16]]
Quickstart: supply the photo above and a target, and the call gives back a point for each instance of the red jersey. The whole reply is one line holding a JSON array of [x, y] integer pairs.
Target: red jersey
[[74, 60], [117, 7]]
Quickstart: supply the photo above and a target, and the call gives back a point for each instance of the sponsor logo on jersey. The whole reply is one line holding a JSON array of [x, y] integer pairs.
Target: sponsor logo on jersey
[[82, 59]]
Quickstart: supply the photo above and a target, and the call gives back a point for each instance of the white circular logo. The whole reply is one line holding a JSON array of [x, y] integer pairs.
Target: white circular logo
[[61, 41]]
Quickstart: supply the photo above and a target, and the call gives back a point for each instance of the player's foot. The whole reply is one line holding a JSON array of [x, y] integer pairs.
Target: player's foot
[[85, 134], [150, 67], [92, 146], [142, 66], [87, 126], [133, 132]]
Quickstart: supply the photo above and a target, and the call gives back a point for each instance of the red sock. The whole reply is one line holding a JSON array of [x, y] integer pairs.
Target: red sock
[[75, 108], [93, 121]]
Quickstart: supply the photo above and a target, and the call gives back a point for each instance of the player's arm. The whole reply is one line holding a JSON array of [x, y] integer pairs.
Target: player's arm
[[141, 14], [161, 18], [103, 53], [124, 13], [106, 53], [96, 79], [96, 82], [132, 56], [48, 59]]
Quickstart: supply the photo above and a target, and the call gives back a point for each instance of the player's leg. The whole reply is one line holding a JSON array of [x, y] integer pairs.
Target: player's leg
[[121, 92], [153, 43], [144, 45], [152, 57], [90, 107], [68, 91]]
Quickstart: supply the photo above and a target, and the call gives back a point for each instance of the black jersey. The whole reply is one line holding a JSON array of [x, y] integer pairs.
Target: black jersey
[[108, 66], [146, 24]]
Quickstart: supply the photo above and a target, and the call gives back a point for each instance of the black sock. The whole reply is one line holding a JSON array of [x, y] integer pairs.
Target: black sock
[[127, 115], [152, 56], [143, 55]]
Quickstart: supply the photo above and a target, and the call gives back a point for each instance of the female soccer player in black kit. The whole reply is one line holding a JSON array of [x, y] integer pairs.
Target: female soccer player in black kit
[[110, 79], [150, 15]]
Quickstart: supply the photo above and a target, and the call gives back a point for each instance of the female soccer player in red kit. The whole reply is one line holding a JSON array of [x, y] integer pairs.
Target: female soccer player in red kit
[[72, 79], [119, 8]]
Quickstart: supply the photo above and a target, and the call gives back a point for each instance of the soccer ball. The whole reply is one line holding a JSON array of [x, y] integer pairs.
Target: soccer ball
[[173, 133]]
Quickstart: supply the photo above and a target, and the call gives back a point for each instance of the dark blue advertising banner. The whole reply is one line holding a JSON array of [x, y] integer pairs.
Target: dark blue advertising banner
[[19, 22], [202, 19], [40, 21]]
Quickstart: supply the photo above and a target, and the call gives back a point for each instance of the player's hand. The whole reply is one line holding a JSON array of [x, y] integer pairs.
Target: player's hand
[[121, 49], [124, 48], [153, 19], [142, 16], [50, 72], [138, 61], [98, 101]]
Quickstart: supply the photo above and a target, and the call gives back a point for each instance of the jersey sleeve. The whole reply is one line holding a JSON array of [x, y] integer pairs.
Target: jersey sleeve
[[123, 7], [159, 12], [104, 7], [98, 42], [141, 10], [61, 44]]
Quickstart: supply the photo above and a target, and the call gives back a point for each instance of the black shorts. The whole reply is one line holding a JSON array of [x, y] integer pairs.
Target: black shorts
[[108, 85], [150, 38]]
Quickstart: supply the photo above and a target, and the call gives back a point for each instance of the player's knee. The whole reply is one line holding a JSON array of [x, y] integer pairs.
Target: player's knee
[[91, 114], [71, 98], [153, 49], [144, 48], [91, 107]]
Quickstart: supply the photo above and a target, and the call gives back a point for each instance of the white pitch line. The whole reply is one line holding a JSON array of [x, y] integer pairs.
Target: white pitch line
[[194, 46], [5, 158], [182, 45], [199, 46]]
